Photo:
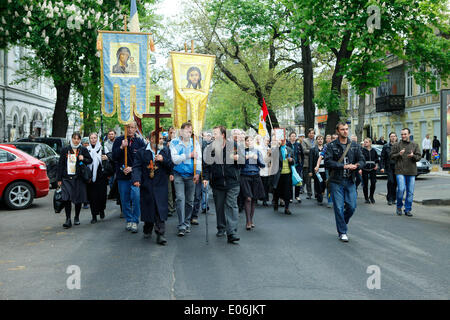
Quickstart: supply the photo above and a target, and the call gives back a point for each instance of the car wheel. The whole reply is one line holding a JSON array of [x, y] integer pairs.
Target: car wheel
[[19, 195]]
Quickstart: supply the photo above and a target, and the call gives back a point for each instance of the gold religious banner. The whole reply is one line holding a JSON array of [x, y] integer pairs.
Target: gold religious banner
[[192, 75]]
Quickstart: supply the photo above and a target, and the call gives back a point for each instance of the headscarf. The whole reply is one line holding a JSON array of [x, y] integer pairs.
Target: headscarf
[[96, 155]]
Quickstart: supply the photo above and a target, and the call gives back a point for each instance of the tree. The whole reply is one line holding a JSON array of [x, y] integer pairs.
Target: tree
[[407, 29], [230, 29], [63, 36]]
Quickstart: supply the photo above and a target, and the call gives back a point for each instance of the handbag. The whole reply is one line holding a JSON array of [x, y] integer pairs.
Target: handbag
[[340, 160], [58, 203], [296, 179], [108, 168], [86, 173]]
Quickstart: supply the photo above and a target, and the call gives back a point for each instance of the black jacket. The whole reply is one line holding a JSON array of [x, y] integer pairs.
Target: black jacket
[[62, 165], [134, 144], [369, 157], [289, 154], [223, 175], [334, 153], [299, 156], [386, 162], [314, 154]]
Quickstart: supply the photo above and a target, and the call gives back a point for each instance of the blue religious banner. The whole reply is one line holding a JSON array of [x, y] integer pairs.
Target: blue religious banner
[[125, 74]]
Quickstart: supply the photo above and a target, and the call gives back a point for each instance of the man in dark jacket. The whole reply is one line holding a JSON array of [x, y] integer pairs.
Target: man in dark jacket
[[342, 177], [405, 153], [150, 171], [387, 166], [299, 158], [129, 194], [222, 163]]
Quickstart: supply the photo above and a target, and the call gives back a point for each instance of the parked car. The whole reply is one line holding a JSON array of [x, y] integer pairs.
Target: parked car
[[423, 166], [44, 153], [54, 142], [22, 178]]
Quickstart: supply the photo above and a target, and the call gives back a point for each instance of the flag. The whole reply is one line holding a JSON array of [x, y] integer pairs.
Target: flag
[[262, 129], [134, 18]]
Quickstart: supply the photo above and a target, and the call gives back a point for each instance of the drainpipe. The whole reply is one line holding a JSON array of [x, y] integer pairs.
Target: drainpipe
[[5, 83]]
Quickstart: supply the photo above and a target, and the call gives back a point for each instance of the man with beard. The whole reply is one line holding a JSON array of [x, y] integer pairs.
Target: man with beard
[[151, 167]]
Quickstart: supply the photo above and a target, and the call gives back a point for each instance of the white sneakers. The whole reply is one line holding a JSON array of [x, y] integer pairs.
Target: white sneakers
[[132, 226], [343, 237]]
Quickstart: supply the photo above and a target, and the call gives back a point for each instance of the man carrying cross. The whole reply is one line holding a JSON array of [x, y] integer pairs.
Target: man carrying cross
[[129, 194]]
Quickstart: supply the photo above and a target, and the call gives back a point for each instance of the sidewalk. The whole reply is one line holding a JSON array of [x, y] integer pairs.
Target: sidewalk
[[432, 189]]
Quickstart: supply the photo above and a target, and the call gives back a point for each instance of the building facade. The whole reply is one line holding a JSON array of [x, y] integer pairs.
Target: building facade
[[398, 103], [26, 108]]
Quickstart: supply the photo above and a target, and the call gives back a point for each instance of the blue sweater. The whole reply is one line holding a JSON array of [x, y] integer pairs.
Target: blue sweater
[[252, 166], [183, 165]]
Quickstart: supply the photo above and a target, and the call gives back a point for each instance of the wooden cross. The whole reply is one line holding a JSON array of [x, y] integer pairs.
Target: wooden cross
[[157, 115]]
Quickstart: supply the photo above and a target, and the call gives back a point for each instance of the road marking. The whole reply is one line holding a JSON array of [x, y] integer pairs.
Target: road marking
[[17, 268], [6, 261]]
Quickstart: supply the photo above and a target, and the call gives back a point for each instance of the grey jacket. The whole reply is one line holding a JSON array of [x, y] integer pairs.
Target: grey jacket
[[403, 164]]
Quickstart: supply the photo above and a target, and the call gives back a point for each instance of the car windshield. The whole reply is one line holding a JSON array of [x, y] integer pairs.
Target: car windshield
[[28, 148]]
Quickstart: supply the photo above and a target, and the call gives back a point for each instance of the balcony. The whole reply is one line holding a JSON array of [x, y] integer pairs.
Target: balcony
[[390, 103]]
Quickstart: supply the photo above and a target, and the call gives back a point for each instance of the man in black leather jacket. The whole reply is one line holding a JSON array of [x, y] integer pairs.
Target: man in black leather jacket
[[342, 177], [299, 158], [388, 166]]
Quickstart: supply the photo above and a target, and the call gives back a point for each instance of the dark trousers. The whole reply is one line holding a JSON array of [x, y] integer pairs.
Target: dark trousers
[[160, 226], [197, 200], [307, 182], [172, 208], [68, 209], [426, 154], [366, 176], [266, 184], [391, 186], [319, 187], [227, 214]]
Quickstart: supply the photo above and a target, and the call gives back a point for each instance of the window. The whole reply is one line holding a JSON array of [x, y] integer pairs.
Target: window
[[49, 152], [438, 79], [421, 89], [6, 156], [409, 84]]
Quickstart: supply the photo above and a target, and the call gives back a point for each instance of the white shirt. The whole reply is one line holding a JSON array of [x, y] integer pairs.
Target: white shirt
[[426, 144]]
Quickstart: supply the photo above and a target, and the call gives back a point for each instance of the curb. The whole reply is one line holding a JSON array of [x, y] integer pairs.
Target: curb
[[428, 202]]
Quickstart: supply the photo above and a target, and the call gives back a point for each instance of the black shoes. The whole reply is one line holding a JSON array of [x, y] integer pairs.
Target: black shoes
[[372, 200], [68, 224], [408, 214], [76, 221], [367, 200], [265, 204], [161, 240], [147, 235], [220, 233], [102, 215], [233, 239], [94, 220], [389, 203], [286, 211]]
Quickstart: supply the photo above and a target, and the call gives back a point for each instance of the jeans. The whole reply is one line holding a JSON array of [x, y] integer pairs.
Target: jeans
[[205, 197], [405, 183], [344, 203], [184, 193], [227, 214], [130, 200]]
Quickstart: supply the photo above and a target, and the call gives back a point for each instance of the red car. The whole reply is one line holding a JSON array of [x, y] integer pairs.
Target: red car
[[22, 178]]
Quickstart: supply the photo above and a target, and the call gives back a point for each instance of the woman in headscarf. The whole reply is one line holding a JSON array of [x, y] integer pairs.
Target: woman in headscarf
[[97, 189], [73, 187], [123, 54], [282, 180]]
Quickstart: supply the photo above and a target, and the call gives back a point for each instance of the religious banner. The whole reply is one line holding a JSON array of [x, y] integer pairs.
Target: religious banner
[[192, 75], [445, 128], [125, 74]]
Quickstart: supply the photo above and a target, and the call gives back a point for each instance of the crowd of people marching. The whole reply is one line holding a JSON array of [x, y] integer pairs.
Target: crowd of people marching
[[170, 174]]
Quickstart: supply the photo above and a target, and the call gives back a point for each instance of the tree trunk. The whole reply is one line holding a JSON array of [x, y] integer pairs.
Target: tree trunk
[[361, 114], [308, 86], [60, 119]]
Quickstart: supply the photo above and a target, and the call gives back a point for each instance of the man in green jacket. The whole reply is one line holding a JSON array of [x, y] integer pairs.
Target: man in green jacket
[[405, 154]]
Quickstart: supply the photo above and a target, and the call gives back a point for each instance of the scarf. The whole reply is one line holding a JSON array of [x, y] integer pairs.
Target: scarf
[[96, 155], [74, 146], [283, 152]]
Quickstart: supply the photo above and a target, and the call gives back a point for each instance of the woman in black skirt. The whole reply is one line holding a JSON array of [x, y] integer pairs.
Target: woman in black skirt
[[252, 188], [282, 180], [97, 189], [72, 185]]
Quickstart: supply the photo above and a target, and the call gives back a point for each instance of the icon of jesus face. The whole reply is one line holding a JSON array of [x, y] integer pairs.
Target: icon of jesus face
[[194, 78]]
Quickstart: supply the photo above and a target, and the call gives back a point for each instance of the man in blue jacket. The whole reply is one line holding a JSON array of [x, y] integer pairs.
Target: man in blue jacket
[[129, 194], [182, 152]]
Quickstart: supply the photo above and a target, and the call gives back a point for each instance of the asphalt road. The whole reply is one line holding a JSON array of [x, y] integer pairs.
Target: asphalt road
[[283, 258]]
